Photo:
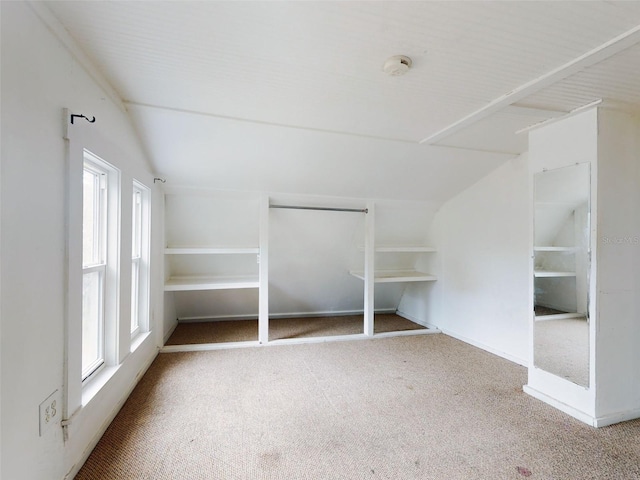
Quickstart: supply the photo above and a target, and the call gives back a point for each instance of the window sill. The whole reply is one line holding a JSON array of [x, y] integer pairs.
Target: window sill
[[138, 340], [101, 378], [93, 386]]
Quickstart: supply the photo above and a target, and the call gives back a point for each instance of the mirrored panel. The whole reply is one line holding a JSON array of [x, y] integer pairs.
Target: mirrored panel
[[561, 272]]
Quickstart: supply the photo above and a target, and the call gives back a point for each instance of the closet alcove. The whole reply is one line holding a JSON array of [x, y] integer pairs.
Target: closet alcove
[[244, 269]]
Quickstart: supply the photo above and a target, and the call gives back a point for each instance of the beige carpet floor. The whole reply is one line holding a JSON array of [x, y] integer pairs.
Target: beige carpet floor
[[247, 330], [414, 407]]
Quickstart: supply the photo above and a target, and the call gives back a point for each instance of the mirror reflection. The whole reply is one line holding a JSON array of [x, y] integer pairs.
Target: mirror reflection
[[561, 272]]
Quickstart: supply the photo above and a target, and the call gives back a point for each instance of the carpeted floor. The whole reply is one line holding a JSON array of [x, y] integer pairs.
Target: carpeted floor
[[414, 407], [247, 330]]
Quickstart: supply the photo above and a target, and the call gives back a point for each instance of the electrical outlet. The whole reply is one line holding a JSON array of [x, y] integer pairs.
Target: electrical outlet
[[50, 412]]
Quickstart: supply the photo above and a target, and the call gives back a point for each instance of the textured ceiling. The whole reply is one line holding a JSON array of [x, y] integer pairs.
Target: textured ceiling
[[316, 68]]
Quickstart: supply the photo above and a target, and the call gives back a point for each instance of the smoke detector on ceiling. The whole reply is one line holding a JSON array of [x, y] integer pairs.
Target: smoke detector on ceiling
[[397, 65]]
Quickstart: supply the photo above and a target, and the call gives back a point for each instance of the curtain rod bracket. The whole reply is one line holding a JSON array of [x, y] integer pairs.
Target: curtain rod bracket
[[73, 115]]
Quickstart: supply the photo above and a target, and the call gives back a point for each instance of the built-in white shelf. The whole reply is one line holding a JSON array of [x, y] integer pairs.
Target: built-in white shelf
[[560, 316], [210, 250], [396, 276], [180, 284], [401, 249], [545, 274], [554, 249]]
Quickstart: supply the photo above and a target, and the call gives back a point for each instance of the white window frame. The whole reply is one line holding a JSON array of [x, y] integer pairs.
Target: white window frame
[[140, 253], [98, 264], [110, 265]]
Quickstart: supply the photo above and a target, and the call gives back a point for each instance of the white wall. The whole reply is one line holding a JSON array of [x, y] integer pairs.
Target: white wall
[[39, 79], [483, 240], [617, 354]]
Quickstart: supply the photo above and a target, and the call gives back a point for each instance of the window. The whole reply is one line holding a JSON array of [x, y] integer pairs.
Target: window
[[94, 264], [139, 258]]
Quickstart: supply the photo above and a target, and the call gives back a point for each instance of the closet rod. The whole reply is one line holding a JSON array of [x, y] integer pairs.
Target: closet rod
[[330, 209]]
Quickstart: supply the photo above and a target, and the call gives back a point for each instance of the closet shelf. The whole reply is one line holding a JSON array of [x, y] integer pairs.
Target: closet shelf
[[188, 283], [401, 249], [554, 249], [560, 316], [544, 274], [210, 250], [396, 276]]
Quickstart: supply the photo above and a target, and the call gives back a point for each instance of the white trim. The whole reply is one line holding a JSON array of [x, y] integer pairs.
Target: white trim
[[560, 316], [416, 320], [339, 313], [572, 113], [487, 348], [218, 318], [210, 250], [563, 407], [254, 316], [169, 333], [368, 274], [261, 122], [406, 333], [614, 418], [205, 347]]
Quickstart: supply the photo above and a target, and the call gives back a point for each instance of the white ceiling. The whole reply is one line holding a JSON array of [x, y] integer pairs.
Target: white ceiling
[[291, 96]]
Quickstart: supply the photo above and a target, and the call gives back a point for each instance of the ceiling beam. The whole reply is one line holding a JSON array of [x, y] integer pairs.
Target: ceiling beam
[[598, 54]]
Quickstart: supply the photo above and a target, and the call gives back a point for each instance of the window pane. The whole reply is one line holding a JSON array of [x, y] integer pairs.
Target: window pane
[[136, 227], [92, 322], [90, 220], [135, 296]]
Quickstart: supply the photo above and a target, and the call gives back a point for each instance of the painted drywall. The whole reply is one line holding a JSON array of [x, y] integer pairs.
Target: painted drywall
[[483, 242], [310, 255], [223, 153], [39, 78], [617, 355]]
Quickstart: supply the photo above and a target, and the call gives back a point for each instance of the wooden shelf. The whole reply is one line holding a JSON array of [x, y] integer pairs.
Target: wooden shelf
[[180, 284], [546, 274], [396, 276], [210, 250], [554, 249]]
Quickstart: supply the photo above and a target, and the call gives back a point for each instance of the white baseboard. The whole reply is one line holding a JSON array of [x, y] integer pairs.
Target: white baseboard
[[563, 407], [217, 318], [169, 333], [487, 348], [416, 320], [222, 318], [616, 418], [203, 347]]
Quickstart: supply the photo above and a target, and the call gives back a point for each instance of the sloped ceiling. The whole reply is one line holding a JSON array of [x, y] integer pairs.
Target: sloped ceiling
[[291, 96]]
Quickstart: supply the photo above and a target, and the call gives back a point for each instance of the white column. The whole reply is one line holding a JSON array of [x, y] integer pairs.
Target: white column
[[263, 296]]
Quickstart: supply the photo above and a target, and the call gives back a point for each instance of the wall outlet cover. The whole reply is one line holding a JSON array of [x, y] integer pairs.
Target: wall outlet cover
[[50, 412]]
